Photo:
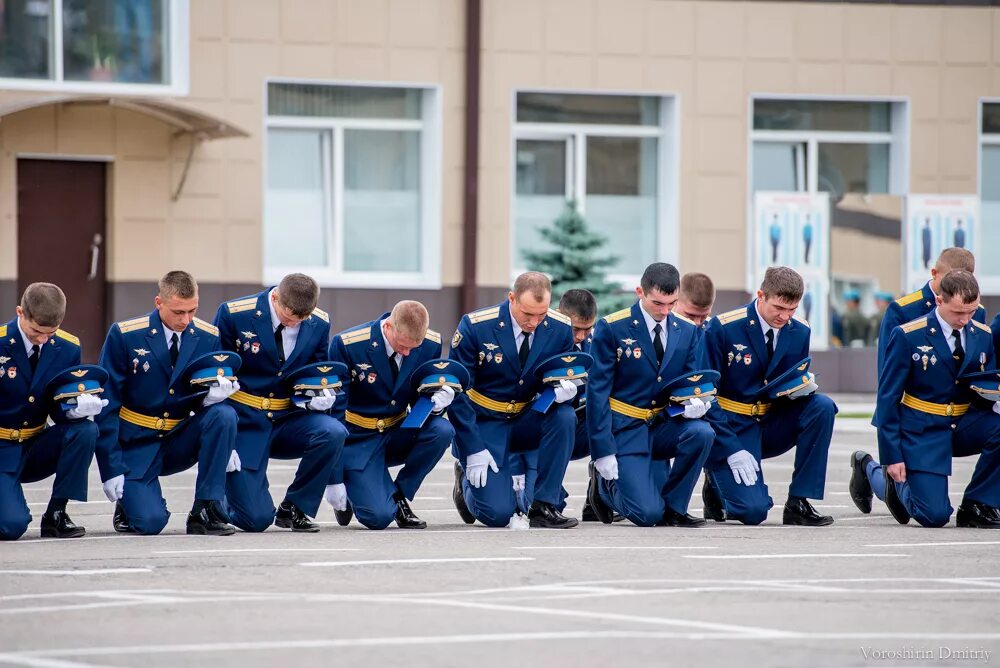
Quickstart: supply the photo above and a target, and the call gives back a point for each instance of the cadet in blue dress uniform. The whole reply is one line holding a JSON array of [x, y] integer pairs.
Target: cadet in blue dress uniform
[[148, 430], [381, 356], [276, 331], [501, 346], [751, 346], [696, 299], [33, 352], [636, 351], [928, 414]]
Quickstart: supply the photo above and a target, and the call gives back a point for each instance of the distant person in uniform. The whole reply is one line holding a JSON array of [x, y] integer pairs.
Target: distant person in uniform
[[775, 234], [882, 301], [807, 237], [855, 324], [959, 234], [925, 243]]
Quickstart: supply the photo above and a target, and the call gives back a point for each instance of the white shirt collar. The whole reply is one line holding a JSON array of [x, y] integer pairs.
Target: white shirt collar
[[167, 333], [947, 329], [764, 327], [24, 338], [651, 323], [516, 329], [274, 315], [389, 352]]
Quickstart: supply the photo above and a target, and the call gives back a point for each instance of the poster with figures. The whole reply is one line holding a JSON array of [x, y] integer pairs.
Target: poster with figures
[[793, 229], [933, 223]]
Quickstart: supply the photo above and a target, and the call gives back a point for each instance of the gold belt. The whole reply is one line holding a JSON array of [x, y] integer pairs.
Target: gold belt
[[944, 410], [260, 403], [506, 407], [20, 434], [753, 410], [381, 424], [149, 422], [633, 411]]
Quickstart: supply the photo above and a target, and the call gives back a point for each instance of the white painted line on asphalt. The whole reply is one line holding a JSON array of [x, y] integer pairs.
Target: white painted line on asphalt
[[442, 560], [614, 547], [82, 571], [241, 550], [829, 555], [74, 541], [953, 542]]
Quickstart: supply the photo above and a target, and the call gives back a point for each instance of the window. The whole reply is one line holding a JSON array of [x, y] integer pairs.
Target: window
[[988, 263], [614, 156], [350, 173], [86, 45]]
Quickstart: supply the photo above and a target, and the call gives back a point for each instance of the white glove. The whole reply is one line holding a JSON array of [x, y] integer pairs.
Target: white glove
[[565, 391], [518, 481], [322, 402], [476, 465], [807, 390], [221, 390], [336, 496], [234, 463], [696, 408], [996, 407], [744, 466], [114, 489], [607, 466], [87, 406], [442, 398]]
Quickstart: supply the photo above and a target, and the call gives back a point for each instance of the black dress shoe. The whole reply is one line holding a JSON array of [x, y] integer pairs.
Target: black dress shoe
[[459, 498], [209, 522], [602, 511], [120, 520], [59, 525], [405, 519], [893, 502], [712, 508], [799, 512], [294, 519], [972, 515], [543, 515], [588, 514], [860, 487], [344, 516], [672, 518]]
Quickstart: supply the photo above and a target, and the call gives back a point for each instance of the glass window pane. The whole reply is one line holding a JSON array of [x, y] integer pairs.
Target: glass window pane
[[621, 198], [287, 99], [541, 191], [776, 166], [296, 212], [381, 200], [595, 109], [853, 168], [822, 115], [988, 263], [115, 40], [24, 38], [991, 118]]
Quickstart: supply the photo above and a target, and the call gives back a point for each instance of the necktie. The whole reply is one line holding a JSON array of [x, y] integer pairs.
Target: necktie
[[579, 347], [959, 353], [33, 357], [174, 345], [279, 343], [658, 343], [394, 365], [770, 343], [522, 352]]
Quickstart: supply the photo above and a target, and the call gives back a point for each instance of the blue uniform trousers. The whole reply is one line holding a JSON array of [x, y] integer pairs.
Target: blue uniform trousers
[[805, 424], [645, 485], [371, 488], [526, 434], [317, 439], [65, 450], [205, 439]]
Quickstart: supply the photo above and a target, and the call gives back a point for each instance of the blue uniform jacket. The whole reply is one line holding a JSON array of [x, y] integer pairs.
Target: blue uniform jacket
[[136, 358], [245, 328], [484, 344], [625, 369], [735, 347], [919, 362], [995, 326]]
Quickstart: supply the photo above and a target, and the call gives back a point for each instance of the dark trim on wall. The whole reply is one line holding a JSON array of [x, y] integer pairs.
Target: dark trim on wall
[[944, 3], [470, 196]]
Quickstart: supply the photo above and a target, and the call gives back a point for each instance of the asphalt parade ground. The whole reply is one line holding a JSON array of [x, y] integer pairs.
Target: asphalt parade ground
[[864, 591]]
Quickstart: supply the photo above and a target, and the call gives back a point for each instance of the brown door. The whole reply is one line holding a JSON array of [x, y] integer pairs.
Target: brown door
[[60, 239]]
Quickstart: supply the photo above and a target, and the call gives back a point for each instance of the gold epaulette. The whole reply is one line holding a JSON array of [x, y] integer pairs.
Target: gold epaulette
[[321, 314], [618, 315], [985, 328], [125, 326], [910, 298], [66, 336], [914, 325], [482, 315], [356, 336], [801, 320], [3, 330], [733, 316], [242, 304], [206, 326], [682, 318], [556, 315], [431, 335]]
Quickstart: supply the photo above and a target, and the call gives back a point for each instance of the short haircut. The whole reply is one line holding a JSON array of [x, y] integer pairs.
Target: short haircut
[[783, 283], [961, 284], [697, 290], [955, 258], [660, 276], [535, 282], [44, 304], [178, 284], [578, 303], [410, 319], [299, 294]]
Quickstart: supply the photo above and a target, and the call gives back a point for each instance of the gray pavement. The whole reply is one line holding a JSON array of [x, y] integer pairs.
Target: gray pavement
[[857, 593]]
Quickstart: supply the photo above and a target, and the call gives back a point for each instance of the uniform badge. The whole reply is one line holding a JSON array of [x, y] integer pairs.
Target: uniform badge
[[923, 360], [731, 357], [916, 357], [361, 376], [628, 352], [637, 352], [982, 361], [135, 365], [246, 346], [738, 358], [248, 335], [489, 357], [482, 356], [371, 377], [618, 354], [635, 323], [628, 342], [4, 359], [739, 347], [746, 359], [498, 358], [933, 330], [933, 360], [364, 367], [501, 323], [141, 352], [255, 347], [12, 372], [490, 346], [145, 367], [457, 339]]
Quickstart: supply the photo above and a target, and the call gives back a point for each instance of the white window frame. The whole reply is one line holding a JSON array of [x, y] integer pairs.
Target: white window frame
[[989, 284], [177, 62], [429, 125], [667, 175], [898, 139]]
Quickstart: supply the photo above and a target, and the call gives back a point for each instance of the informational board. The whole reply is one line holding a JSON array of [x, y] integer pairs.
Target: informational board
[[933, 223]]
